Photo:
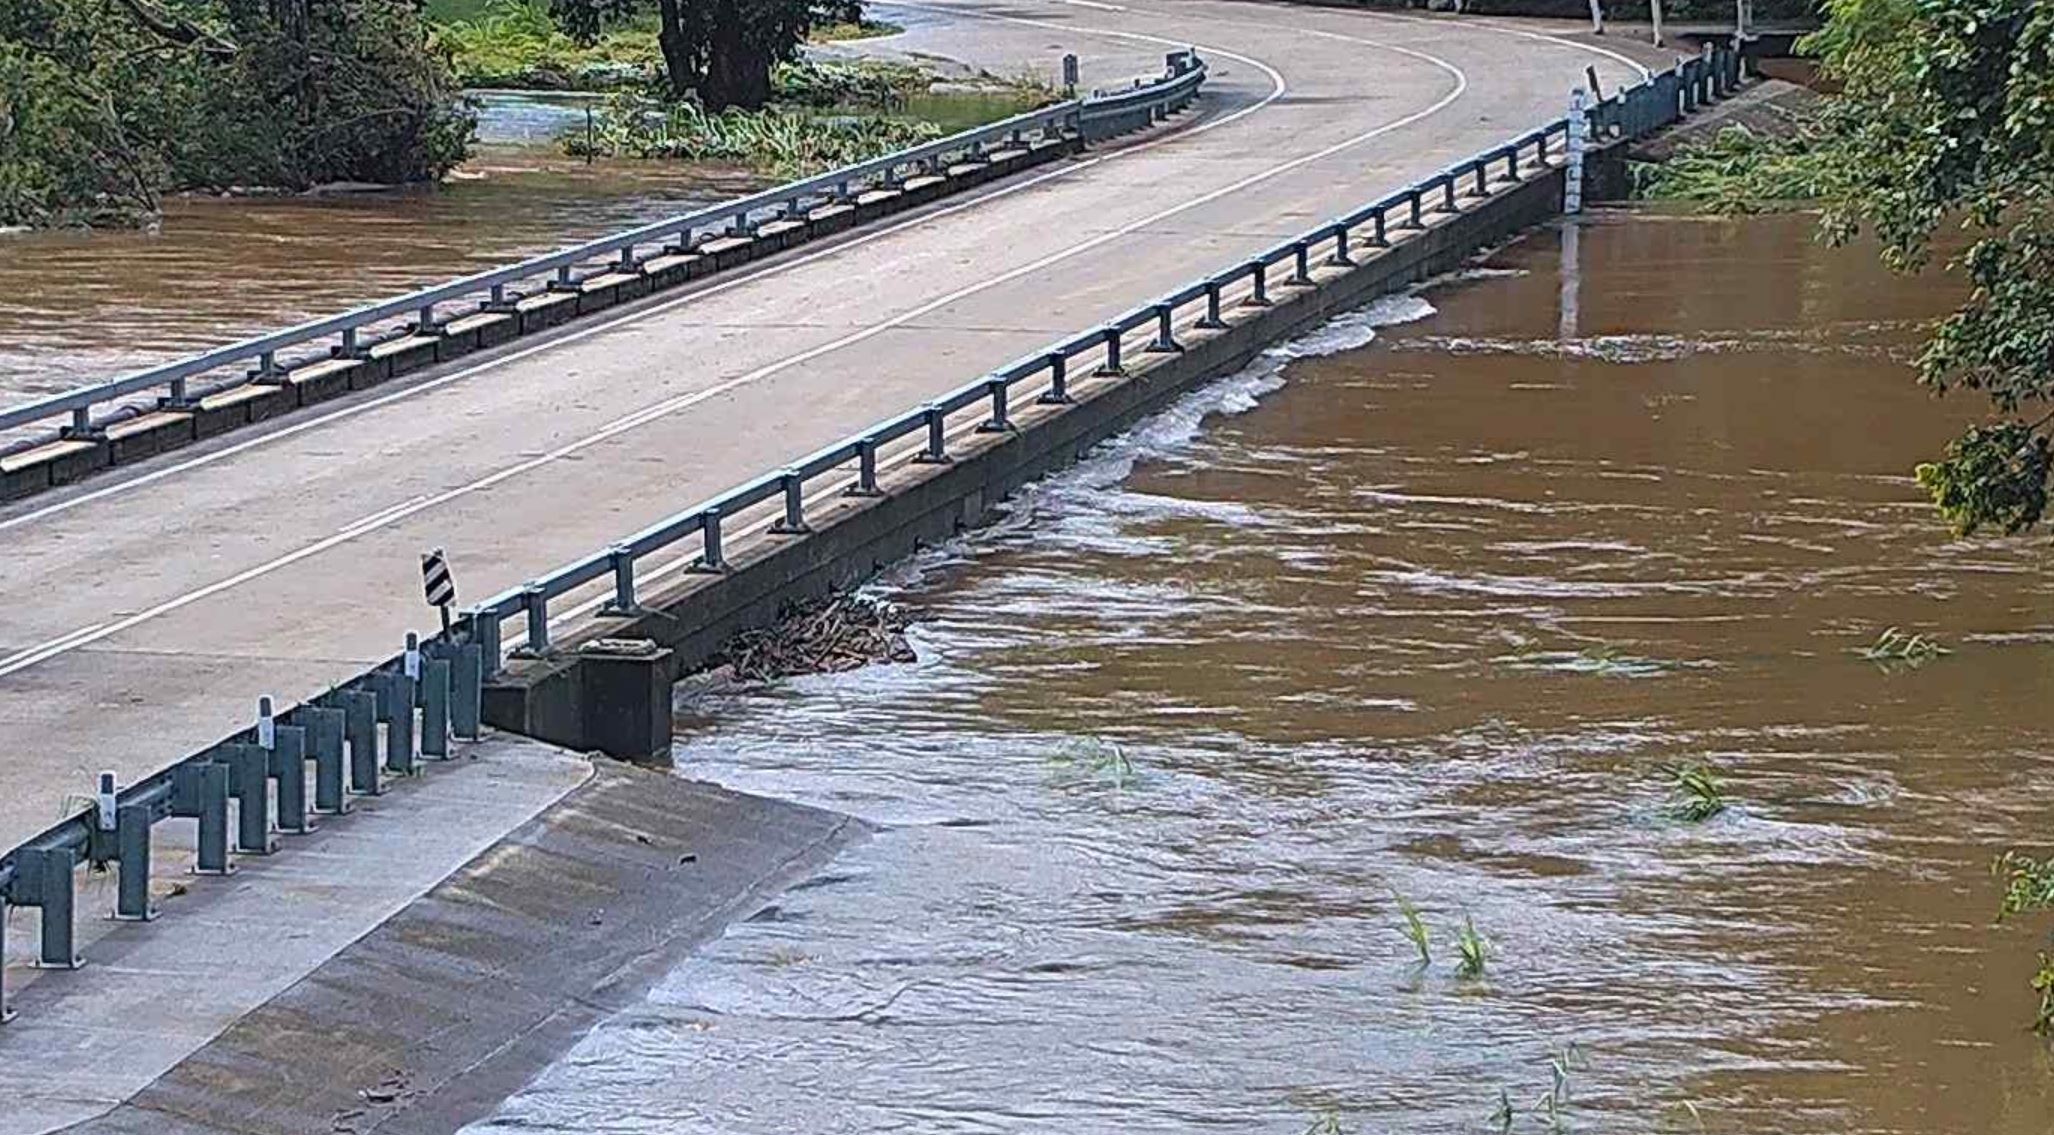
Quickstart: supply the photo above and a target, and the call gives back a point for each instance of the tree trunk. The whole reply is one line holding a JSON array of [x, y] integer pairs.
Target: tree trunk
[[680, 69], [737, 71]]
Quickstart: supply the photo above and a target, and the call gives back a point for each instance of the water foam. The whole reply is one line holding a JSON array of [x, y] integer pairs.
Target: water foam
[[1085, 500]]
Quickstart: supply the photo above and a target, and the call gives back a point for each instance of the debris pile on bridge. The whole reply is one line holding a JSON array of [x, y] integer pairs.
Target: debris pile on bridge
[[822, 636]]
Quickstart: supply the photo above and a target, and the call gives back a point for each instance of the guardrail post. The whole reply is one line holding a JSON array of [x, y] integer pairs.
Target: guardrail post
[[937, 452], [349, 342], [622, 559], [1000, 422], [324, 734], [44, 880], [396, 701], [710, 557], [1512, 161], [1380, 229], [289, 765], [484, 627], [467, 680], [1165, 343], [794, 520], [535, 606], [199, 789], [1448, 193], [1260, 296], [6, 1014], [866, 470], [435, 690], [1301, 267], [249, 781], [1058, 392], [132, 853], [1341, 257], [1111, 367], [360, 728], [1211, 320], [1418, 220], [81, 422]]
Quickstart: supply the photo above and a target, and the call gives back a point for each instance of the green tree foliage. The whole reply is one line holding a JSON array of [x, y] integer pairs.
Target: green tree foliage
[[1947, 115], [720, 52], [104, 104]]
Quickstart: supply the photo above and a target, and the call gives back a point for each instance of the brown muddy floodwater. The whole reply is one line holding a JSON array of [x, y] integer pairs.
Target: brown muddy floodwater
[[1427, 618], [80, 307]]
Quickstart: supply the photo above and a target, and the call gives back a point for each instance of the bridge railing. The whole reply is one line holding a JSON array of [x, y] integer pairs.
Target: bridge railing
[[443, 676], [1090, 118], [1633, 112]]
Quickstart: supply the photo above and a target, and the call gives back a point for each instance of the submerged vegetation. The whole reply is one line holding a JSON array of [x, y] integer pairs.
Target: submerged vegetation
[[1697, 794], [1738, 171], [1099, 759], [1473, 951], [1895, 650], [1415, 928], [2029, 887]]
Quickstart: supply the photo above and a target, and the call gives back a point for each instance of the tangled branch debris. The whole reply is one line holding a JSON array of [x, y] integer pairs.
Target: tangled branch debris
[[826, 636]]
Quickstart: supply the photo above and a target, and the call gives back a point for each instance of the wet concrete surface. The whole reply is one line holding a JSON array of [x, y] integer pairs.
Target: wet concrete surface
[[427, 1021]]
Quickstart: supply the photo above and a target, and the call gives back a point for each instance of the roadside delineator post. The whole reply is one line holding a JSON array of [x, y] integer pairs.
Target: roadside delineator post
[[438, 585], [1572, 189]]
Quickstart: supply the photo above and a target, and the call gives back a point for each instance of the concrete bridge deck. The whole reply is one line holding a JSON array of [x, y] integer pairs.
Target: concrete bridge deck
[[141, 615]]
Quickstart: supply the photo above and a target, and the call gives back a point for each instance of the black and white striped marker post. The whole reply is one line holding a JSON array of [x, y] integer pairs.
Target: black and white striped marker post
[[437, 585]]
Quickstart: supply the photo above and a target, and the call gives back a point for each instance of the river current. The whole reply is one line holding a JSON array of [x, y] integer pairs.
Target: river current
[[1425, 606]]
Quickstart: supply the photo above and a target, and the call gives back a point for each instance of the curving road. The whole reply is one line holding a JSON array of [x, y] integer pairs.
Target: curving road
[[143, 613]]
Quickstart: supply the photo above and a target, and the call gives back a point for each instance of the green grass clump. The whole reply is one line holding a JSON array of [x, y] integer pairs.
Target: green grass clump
[[1415, 929], [1474, 951], [1697, 793]]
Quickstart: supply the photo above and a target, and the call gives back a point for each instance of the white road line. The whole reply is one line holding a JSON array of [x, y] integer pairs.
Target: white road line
[[673, 405], [365, 524], [58, 643]]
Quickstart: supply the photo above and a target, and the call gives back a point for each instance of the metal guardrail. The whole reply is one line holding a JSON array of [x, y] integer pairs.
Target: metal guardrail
[[442, 679], [1090, 118], [1630, 113]]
